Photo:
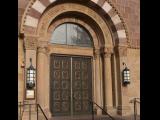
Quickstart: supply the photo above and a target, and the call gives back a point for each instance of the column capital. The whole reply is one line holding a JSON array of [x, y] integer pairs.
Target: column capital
[[107, 52], [43, 47], [43, 50], [30, 42], [97, 53]]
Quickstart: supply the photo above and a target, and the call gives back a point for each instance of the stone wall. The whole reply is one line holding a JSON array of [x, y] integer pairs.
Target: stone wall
[[133, 60], [130, 11]]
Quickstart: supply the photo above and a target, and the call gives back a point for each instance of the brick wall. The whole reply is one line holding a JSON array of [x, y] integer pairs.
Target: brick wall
[[21, 7]]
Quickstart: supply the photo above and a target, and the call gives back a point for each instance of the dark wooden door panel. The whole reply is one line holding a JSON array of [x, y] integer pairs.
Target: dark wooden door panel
[[71, 81], [81, 85], [60, 85]]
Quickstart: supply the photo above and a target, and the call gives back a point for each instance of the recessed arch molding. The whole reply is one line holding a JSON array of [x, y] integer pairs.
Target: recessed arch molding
[[36, 8]]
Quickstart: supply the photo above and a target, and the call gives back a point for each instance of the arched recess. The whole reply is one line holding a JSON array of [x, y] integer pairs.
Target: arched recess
[[39, 15]]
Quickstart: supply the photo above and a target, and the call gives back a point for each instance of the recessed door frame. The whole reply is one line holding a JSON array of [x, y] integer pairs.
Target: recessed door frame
[[71, 93]]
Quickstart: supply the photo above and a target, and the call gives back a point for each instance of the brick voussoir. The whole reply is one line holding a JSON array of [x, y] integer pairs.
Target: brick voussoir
[[34, 13], [45, 2]]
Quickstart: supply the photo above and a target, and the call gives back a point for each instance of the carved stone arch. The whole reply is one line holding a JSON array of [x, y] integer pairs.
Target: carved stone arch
[[36, 8], [50, 15]]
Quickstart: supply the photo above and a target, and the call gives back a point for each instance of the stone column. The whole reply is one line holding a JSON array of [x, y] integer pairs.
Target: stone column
[[40, 76], [43, 77], [108, 79], [98, 81]]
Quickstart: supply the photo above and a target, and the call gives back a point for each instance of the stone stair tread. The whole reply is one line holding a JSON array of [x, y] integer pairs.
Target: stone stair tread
[[88, 117]]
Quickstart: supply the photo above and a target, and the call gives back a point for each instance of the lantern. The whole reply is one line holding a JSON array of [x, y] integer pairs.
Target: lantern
[[31, 76], [126, 75]]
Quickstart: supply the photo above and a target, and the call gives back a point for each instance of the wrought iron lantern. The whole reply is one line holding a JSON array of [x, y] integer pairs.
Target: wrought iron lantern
[[31, 76], [126, 75]]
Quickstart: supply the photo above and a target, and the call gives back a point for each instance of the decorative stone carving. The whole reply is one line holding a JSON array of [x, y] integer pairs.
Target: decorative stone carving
[[42, 50], [30, 42], [107, 52], [97, 53], [49, 15], [43, 47]]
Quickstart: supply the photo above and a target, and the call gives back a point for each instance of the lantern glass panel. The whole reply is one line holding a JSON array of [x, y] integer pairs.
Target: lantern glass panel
[[125, 75], [31, 71], [127, 72], [31, 75], [28, 75]]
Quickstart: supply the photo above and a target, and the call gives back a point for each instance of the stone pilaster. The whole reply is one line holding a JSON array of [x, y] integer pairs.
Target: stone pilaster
[[43, 77], [123, 107], [30, 46], [40, 76]]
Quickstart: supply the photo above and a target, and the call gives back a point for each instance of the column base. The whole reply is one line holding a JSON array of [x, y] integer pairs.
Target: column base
[[47, 113], [99, 111], [110, 110], [124, 110]]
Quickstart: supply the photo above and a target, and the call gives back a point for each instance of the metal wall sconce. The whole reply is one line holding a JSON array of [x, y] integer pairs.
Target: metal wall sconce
[[126, 75], [30, 81]]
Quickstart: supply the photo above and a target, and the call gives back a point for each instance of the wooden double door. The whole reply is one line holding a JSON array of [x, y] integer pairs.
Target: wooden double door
[[71, 85]]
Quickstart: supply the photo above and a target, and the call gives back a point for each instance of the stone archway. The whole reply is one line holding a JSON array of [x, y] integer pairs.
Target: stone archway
[[36, 8], [36, 32]]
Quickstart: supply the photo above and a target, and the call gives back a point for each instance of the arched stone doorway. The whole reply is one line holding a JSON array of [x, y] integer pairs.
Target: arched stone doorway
[[107, 46]]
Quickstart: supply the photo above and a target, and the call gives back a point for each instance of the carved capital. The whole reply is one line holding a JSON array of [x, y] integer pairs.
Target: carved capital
[[107, 52], [42, 50], [107, 55], [30, 42], [97, 53], [43, 47]]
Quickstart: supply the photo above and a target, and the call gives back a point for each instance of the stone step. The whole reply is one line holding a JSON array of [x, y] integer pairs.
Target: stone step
[[88, 117]]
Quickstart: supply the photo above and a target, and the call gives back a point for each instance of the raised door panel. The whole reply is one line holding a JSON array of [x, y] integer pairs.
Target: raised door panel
[[60, 85], [81, 85]]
